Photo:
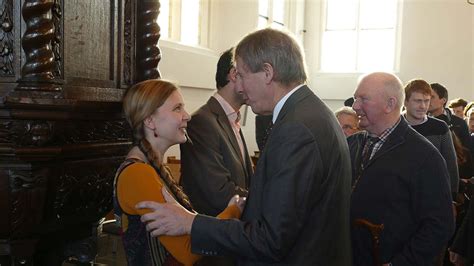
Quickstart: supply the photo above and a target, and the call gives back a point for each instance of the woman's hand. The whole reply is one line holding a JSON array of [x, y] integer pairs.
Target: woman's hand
[[238, 201]]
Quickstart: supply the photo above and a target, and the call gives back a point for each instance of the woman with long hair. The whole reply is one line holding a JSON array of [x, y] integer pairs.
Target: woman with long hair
[[155, 111]]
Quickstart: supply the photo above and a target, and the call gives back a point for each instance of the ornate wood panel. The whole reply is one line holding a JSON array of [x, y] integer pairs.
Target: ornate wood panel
[[64, 66]]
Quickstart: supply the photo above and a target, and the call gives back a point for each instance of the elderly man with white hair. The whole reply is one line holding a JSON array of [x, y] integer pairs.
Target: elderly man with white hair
[[399, 181]]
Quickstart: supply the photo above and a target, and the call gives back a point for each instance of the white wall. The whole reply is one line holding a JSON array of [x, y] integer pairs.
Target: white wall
[[437, 44]]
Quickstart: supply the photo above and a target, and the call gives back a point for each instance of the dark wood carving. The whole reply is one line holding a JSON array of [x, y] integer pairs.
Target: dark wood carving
[[148, 33], [128, 43], [62, 132], [36, 41], [27, 200], [57, 41], [6, 38]]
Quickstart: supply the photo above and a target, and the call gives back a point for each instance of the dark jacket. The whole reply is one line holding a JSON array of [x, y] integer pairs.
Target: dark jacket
[[464, 242], [297, 208], [212, 168], [404, 187], [438, 133], [458, 126]]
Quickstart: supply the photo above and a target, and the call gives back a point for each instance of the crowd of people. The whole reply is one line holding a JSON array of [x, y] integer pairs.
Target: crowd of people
[[384, 180]]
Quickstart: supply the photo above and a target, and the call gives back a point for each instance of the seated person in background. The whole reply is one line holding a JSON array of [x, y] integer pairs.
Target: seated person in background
[[155, 111], [457, 107], [348, 120]]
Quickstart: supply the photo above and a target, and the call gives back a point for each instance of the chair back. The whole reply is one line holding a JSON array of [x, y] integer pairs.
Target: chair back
[[375, 231], [174, 165]]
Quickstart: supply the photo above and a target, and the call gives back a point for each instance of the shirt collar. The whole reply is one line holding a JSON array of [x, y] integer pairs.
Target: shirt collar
[[281, 102], [228, 110], [387, 131]]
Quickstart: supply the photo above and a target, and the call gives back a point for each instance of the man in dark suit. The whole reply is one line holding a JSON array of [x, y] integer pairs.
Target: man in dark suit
[[297, 207], [215, 165], [400, 180]]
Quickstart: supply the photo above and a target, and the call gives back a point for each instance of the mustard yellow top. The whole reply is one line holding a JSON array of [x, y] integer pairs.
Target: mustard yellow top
[[140, 182]]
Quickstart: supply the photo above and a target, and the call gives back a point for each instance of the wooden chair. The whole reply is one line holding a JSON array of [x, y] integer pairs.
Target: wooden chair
[[375, 231], [174, 165]]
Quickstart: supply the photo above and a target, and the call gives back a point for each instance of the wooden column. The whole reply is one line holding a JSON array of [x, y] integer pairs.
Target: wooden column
[[62, 132]]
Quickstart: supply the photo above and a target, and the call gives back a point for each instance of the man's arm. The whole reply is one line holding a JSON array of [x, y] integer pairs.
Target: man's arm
[[203, 166], [431, 204], [288, 196]]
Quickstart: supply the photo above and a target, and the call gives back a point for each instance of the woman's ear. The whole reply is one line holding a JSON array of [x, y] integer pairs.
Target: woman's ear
[[148, 123], [269, 73]]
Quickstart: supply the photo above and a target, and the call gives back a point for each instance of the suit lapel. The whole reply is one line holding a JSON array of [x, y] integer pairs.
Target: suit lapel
[[223, 121]]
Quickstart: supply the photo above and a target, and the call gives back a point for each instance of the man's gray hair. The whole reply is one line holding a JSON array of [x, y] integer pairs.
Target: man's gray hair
[[277, 48]]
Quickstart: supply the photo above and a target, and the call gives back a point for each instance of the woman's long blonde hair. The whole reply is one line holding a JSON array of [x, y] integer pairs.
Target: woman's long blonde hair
[[139, 102]]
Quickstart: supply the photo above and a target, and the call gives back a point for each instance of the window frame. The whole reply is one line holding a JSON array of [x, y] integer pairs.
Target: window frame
[[357, 71], [269, 17], [174, 26]]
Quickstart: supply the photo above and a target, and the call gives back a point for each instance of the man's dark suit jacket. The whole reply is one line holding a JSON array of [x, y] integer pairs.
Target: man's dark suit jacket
[[297, 211], [212, 168], [405, 187]]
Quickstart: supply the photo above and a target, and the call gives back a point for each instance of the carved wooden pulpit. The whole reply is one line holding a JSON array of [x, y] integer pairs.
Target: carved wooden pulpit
[[64, 65]]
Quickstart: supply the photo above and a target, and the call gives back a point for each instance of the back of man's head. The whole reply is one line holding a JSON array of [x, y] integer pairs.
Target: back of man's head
[[440, 90], [277, 48], [417, 85], [224, 65]]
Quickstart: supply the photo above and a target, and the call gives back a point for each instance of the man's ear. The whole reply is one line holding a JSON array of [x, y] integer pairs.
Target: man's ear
[[269, 73], [232, 74], [391, 104]]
